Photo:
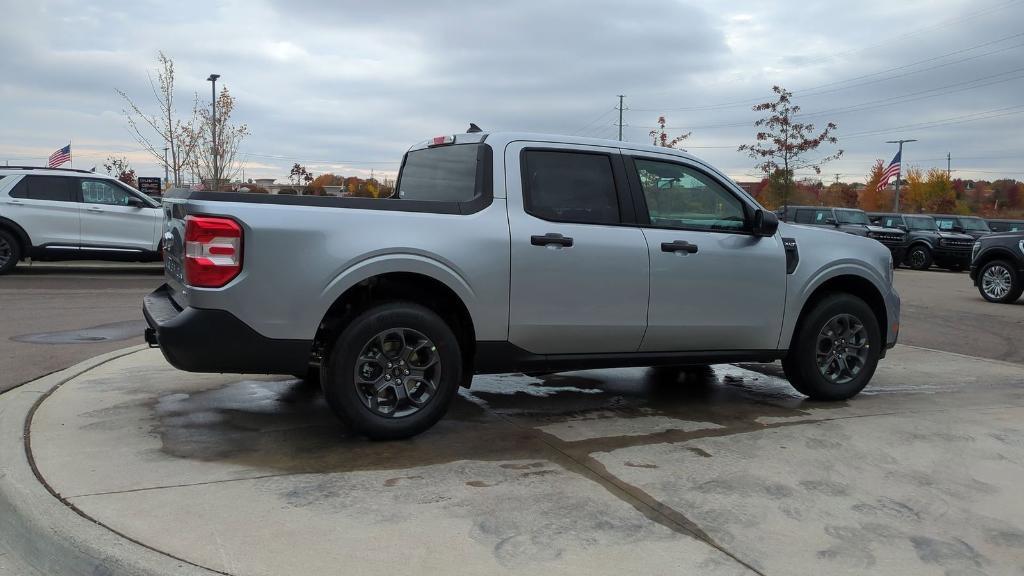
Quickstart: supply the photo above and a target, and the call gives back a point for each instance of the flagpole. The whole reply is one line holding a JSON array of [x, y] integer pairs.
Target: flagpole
[[71, 154], [899, 173]]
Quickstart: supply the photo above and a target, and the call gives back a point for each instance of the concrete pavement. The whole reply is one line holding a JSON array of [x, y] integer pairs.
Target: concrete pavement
[[723, 472]]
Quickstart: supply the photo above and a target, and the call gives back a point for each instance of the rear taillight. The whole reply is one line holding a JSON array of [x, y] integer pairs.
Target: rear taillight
[[213, 251]]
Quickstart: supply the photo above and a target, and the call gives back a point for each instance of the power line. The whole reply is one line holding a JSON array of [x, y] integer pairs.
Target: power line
[[811, 90]]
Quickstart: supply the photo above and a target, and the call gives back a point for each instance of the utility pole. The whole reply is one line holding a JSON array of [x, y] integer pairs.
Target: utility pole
[[949, 159], [899, 172], [837, 177], [620, 109], [213, 128]]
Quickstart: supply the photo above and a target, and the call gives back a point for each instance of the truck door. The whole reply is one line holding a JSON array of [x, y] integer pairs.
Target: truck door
[[714, 285], [579, 268]]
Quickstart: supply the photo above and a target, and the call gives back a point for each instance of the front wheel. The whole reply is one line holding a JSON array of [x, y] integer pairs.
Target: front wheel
[[393, 371], [835, 350], [919, 258], [999, 282]]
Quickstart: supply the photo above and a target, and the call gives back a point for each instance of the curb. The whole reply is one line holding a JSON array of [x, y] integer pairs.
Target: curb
[[41, 531]]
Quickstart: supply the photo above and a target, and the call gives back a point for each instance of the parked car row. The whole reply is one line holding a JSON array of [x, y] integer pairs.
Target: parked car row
[[67, 214]]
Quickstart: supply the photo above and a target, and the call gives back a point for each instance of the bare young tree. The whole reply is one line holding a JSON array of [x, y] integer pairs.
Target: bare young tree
[[660, 137], [170, 131], [229, 138], [783, 145]]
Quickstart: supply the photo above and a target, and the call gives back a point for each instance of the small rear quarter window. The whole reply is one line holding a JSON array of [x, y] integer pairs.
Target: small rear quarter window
[[442, 174]]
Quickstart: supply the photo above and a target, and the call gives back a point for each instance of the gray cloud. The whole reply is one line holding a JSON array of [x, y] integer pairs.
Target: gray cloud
[[349, 85]]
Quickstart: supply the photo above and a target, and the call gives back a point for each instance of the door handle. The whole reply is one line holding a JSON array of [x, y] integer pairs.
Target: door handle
[[12, 201], [551, 239], [94, 209], [679, 246]]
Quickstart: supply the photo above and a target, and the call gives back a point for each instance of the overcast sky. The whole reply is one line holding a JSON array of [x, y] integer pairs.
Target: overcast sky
[[347, 86]]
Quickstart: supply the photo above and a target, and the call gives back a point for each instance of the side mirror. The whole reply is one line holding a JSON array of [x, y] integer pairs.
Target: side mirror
[[135, 202], [959, 229], [765, 223], [902, 227], [831, 221]]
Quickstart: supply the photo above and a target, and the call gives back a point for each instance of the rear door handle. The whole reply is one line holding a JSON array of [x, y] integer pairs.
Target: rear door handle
[[551, 239], [94, 209], [679, 246], [15, 201]]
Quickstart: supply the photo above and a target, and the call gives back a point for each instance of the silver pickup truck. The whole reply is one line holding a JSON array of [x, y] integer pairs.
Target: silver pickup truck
[[511, 252]]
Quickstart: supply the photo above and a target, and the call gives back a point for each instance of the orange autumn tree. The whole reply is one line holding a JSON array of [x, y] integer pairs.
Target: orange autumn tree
[[873, 200]]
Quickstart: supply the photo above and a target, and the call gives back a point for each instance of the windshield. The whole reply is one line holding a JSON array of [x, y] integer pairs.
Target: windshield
[[971, 223], [852, 217], [921, 223], [445, 173]]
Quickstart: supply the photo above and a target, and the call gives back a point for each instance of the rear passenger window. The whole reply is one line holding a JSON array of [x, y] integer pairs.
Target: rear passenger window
[[570, 187], [52, 188]]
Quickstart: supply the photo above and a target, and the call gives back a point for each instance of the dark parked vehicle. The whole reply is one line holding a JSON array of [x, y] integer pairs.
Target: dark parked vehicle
[[972, 225], [927, 244], [1005, 225], [849, 220], [997, 267]]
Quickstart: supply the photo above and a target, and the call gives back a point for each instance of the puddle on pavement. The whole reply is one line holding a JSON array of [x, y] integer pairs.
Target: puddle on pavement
[[285, 425], [112, 332]]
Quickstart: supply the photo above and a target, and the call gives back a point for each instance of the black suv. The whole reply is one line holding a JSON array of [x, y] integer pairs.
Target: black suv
[[849, 220], [998, 266], [971, 225], [926, 243]]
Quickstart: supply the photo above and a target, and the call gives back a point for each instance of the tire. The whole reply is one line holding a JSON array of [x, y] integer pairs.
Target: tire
[[379, 332], [999, 282], [919, 257], [10, 252], [801, 364]]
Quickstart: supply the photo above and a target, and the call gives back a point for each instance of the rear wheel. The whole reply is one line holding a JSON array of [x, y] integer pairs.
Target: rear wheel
[[393, 371], [836, 348], [999, 282], [10, 252], [919, 257]]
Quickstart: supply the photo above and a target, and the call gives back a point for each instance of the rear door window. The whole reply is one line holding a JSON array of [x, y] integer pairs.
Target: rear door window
[[565, 186], [47, 188]]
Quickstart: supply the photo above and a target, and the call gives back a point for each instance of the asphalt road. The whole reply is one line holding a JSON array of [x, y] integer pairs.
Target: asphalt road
[[54, 317], [95, 310]]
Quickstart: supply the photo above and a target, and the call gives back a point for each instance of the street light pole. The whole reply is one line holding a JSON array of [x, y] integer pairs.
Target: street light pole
[[166, 172], [213, 128], [899, 172]]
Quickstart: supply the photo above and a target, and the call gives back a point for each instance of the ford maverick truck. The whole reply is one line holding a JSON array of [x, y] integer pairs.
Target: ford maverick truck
[[509, 252]]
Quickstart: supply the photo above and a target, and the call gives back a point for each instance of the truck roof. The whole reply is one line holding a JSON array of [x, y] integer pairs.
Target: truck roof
[[506, 137]]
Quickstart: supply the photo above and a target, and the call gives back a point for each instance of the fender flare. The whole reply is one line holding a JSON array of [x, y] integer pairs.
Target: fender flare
[[406, 262], [820, 277], [19, 232]]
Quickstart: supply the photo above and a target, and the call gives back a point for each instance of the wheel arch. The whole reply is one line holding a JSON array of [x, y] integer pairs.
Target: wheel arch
[[846, 283], [424, 289], [996, 253], [24, 240]]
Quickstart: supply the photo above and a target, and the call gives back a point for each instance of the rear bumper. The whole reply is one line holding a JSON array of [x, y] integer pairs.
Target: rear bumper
[[202, 340]]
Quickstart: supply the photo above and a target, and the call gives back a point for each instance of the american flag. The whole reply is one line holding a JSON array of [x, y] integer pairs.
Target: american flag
[[60, 156], [892, 171]]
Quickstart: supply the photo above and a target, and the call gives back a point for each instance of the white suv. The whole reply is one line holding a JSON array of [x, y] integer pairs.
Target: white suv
[[67, 214]]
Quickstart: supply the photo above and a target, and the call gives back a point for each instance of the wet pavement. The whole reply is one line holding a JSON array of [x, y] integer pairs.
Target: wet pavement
[[717, 471]]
